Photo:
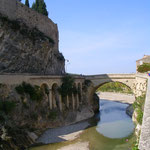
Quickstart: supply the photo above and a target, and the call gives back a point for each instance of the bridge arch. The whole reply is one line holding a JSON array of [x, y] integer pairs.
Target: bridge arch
[[95, 87], [56, 97], [45, 89]]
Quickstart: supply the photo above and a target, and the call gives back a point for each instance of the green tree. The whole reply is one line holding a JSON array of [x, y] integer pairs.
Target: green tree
[[67, 87], [40, 6], [27, 3]]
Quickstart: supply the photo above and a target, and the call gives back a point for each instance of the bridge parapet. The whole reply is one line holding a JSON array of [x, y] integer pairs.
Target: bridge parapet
[[101, 76]]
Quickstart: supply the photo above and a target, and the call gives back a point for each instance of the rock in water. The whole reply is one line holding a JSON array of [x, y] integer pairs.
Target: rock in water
[[130, 110]]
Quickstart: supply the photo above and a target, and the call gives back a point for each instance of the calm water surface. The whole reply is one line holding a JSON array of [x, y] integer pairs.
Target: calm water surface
[[113, 131]]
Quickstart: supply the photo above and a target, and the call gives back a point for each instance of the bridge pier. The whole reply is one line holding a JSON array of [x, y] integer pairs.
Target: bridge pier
[[50, 99], [73, 102], [60, 102], [67, 100], [53, 101], [77, 99]]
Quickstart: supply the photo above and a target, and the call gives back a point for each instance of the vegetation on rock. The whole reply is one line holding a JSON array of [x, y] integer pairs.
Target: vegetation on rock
[[7, 106], [145, 67], [35, 93], [135, 146], [86, 85], [139, 108], [68, 87]]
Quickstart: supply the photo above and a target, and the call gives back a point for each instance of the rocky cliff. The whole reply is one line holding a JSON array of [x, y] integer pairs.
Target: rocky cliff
[[26, 50]]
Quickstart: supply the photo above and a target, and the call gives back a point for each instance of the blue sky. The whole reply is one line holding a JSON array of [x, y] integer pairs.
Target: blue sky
[[102, 36]]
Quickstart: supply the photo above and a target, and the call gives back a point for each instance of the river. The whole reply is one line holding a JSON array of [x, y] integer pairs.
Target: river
[[111, 129]]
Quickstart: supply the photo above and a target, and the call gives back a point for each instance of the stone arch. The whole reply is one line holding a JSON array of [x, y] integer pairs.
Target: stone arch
[[102, 83], [113, 81], [56, 97], [45, 89]]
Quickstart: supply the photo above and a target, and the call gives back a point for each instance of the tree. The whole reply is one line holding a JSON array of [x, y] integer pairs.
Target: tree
[[40, 6], [27, 3]]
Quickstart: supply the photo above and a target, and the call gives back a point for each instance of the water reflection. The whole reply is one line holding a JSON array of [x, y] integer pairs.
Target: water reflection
[[114, 123]]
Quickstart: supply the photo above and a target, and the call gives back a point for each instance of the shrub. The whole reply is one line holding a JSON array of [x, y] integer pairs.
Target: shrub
[[20, 89], [7, 106], [135, 147], [52, 115], [139, 108], [25, 105], [3, 117], [139, 116], [34, 116], [144, 67], [67, 87], [86, 84], [34, 92]]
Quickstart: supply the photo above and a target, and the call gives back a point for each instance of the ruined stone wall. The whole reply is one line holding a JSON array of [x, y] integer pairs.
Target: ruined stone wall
[[15, 10]]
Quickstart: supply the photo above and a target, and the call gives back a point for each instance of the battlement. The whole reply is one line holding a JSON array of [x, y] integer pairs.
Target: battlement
[[15, 10]]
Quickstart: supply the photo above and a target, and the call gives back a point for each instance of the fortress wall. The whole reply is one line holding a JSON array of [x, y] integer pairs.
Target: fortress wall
[[8, 8], [15, 10], [35, 19]]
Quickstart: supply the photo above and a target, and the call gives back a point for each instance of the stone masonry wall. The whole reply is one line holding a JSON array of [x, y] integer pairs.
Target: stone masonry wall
[[8, 8], [144, 143], [139, 86], [15, 10]]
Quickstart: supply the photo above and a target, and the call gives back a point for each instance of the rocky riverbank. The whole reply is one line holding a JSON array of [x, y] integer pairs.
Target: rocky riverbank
[[121, 97], [66, 133]]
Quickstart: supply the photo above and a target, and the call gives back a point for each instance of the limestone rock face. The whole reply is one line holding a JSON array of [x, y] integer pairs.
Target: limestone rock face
[[24, 50]]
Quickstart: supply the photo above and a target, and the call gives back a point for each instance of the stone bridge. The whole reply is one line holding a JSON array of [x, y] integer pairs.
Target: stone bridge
[[136, 83]]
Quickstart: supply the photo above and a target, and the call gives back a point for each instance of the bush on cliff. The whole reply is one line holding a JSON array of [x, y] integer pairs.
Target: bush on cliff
[[35, 92], [7, 106], [145, 67], [139, 108]]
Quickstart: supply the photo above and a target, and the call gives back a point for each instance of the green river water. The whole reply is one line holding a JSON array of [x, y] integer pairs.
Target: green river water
[[113, 131]]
